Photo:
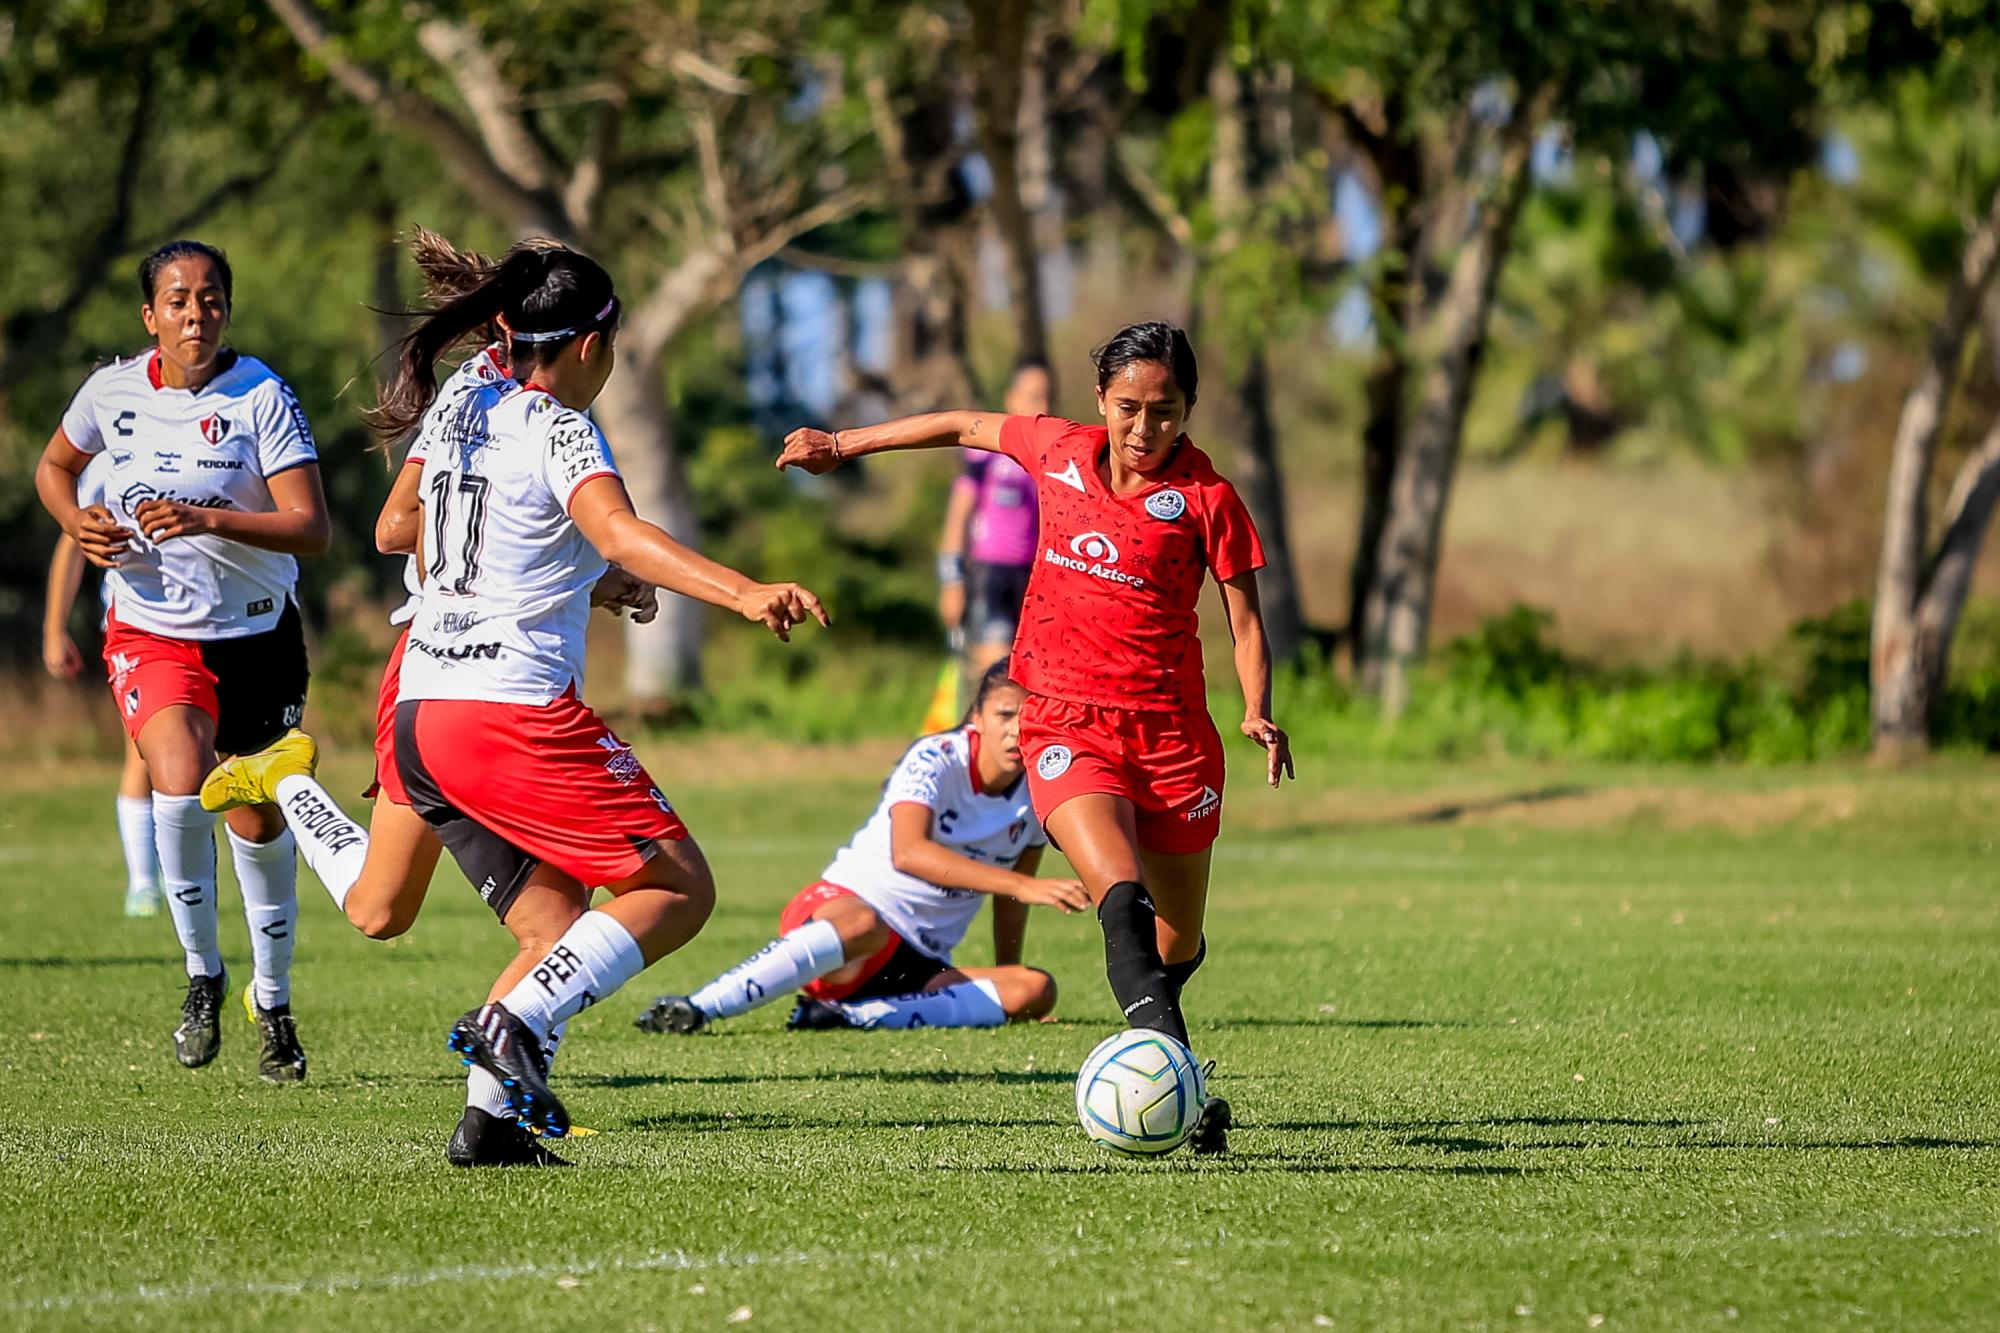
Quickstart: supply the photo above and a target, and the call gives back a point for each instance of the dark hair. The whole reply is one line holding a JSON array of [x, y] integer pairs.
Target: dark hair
[[551, 296], [450, 272], [1022, 365], [150, 266], [1157, 341], [993, 678]]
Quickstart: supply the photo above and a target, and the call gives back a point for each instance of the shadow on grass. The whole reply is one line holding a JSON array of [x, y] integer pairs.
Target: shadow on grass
[[1490, 1122], [1445, 813], [720, 1122], [939, 1077], [1244, 1164], [1365, 1024], [151, 960]]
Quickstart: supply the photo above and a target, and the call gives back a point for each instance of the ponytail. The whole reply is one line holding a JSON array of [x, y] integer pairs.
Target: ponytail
[[538, 285]]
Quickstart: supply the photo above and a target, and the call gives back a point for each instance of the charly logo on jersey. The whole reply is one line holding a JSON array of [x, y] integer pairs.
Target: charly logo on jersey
[[214, 428], [1168, 505], [1054, 762], [1094, 554]]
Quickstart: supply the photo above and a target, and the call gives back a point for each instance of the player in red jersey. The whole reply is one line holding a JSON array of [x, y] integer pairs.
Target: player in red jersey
[[1125, 766]]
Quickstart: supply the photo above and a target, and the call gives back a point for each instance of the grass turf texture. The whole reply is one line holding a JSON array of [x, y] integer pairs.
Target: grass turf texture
[[1510, 1047]]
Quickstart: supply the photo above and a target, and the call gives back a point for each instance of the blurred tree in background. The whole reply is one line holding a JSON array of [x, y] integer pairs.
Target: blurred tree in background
[[1410, 237]]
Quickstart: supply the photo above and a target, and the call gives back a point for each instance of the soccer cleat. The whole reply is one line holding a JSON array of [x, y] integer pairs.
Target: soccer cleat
[[252, 779], [142, 902], [672, 1013], [199, 1036], [482, 1139], [283, 1060], [1211, 1130], [810, 1015], [508, 1049]]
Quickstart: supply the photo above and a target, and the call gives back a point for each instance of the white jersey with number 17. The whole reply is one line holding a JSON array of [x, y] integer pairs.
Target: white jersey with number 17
[[489, 366], [508, 575]]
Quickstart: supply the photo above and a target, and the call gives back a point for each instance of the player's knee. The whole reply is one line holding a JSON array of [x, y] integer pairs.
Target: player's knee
[[377, 922], [1038, 994]]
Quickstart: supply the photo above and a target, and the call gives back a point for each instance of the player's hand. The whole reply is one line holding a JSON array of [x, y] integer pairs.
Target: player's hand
[[781, 606], [1277, 748], [162, 520], [951, 605], [60, 657], [100, 536], [619, 592], [1065, 895], [813, 450]]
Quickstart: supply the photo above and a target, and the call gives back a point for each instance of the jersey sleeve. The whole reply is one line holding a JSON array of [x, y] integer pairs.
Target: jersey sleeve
[[1026, 440], [1229, 537], [575, 453], [79, 420], [920, 776], [284, 438]]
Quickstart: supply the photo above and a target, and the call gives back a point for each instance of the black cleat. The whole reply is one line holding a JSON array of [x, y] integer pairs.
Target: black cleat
[[482, 1139], [810, 1015], [199, 1037], [283, 1060], [672, 1013], [1211, 1130], [508, 1049]]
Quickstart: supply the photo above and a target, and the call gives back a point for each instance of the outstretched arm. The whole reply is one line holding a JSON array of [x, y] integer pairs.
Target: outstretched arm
[[1253, 673], [603, 512], [913, 852], [819, 451]]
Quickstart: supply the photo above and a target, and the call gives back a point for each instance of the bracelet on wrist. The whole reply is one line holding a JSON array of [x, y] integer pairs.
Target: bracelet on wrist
[[950, 567], [838, 457]]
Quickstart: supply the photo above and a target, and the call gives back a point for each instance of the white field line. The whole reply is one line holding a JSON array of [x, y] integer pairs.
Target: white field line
[[681, 1261]]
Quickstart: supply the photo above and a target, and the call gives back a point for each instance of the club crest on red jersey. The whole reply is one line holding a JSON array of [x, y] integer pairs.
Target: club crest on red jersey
[[214, 428], [1168, 505]]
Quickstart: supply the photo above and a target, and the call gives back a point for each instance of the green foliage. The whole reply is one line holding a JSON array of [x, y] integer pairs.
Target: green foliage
[[1507, 690]]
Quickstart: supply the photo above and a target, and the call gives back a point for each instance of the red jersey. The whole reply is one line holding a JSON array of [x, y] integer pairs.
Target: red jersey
[[1109, 617]]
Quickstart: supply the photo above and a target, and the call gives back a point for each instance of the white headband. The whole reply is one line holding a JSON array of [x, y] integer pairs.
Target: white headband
[[557, 335]]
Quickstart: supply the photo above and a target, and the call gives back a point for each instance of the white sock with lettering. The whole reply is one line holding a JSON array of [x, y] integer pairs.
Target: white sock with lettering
[[595, 956], [135, 834], [334, 846], [184, 833], [268, 873], [969, 1004], [779, 968], [482, 1090]]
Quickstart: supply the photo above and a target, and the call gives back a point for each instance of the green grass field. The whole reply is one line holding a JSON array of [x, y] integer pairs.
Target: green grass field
[[1511, 1047]]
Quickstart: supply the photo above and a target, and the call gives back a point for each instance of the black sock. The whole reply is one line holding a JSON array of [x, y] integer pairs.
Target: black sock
[[1139, 980], [1179, 973]]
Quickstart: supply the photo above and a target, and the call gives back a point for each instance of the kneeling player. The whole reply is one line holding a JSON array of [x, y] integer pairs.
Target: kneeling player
[[870, 943]]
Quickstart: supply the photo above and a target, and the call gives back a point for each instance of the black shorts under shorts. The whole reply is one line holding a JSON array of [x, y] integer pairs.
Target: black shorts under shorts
[[260, 683]]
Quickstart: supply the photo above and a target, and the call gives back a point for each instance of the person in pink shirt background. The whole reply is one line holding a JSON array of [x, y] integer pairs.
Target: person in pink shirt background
[[988, 547]]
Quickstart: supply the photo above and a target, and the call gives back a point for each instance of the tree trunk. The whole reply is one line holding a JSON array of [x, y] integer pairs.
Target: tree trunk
[[1905, 667], [663, 659], [1000, 39], [1396, 616], [1264, 492]]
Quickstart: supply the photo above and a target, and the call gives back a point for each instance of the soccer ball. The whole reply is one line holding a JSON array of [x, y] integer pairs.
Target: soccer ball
[[1140, 1093]]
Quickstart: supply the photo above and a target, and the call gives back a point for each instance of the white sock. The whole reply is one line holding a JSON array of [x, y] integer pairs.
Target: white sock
[[334, 846], [483, 1090], [184, 834], [779, 968], [969, 1004], [268, 873], [594, 957], [135, 833]]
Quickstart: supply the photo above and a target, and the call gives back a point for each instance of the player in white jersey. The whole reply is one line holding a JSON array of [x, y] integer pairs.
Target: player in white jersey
[[64, 661], [869, 944], [214, 488], [538, 801]]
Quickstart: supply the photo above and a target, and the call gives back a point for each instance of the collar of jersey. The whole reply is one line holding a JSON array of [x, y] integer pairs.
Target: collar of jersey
[[1181, 446], [226, 361]]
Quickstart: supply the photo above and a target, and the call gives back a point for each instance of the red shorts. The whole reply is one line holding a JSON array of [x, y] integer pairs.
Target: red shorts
[[509, 785], [388, 782], [897, 968], [252, 687], [1169, 765]]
